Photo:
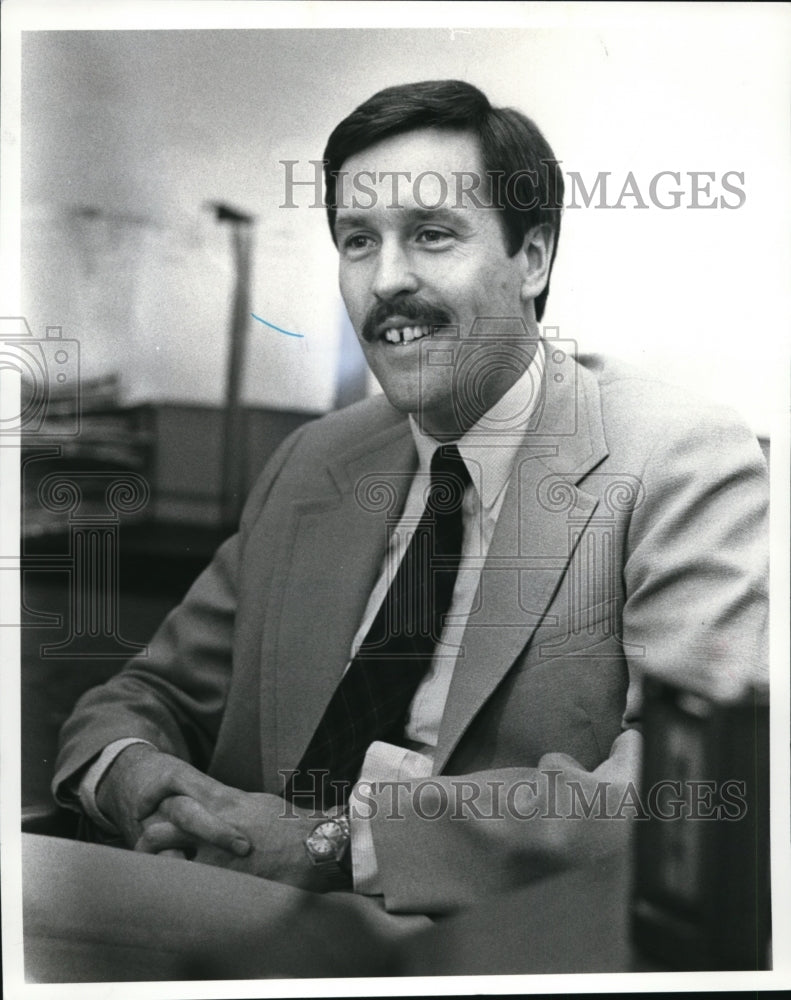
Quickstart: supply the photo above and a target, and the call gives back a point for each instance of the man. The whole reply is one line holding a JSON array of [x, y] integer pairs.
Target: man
[[428, 635]]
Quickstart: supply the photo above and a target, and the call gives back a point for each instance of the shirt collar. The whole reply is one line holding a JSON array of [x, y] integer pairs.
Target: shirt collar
[[489, 446]]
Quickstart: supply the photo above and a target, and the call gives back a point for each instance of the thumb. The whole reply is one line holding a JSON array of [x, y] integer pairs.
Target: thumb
[[186, 780], [559, 762], [623, 764]]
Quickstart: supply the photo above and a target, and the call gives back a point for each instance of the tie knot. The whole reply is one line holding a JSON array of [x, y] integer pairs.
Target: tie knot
[[447, 460], [449, 479]]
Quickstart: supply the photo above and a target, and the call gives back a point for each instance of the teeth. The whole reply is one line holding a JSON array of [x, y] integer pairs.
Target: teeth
[[407, 335]]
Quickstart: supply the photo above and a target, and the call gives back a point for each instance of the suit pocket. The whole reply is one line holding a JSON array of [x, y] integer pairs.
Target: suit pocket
[[568, 705], [590, 632]]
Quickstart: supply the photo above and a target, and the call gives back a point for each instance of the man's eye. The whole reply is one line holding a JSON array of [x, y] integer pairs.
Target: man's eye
[[433, 236], [357, 241]]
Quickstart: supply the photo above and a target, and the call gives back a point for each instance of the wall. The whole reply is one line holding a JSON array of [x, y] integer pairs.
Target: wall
[[142, 128]]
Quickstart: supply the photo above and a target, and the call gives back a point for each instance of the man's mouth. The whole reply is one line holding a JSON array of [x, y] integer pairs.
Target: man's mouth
[[403, 321], [405, 334]]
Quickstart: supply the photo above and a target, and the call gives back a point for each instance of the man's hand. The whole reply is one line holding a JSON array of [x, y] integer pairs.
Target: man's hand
[[162, 805], [139, 782], [586, 814], [276, 830]]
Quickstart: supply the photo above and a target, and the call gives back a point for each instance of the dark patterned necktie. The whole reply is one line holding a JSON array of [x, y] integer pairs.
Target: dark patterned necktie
[[373, 697]]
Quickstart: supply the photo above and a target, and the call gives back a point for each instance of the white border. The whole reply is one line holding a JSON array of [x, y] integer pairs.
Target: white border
[[19, 15]]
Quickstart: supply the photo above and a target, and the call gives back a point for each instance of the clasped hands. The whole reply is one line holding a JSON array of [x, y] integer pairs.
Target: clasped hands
[[163, 805]]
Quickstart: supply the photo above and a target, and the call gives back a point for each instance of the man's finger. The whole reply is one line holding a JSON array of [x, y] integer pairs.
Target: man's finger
[[623, 764], [559, 762], [195, 820], [186, 780], [153, 776], [162, 836]]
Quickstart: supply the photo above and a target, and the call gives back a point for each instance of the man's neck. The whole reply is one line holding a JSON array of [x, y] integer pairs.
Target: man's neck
[[466, 413]]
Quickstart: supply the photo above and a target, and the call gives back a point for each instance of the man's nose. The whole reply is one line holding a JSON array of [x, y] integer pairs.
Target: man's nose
[[395, 274]]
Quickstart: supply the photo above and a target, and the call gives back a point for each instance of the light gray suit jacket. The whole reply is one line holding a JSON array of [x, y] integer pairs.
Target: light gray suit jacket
[[632, 537]]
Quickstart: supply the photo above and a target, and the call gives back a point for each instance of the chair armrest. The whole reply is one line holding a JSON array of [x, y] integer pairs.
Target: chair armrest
[[50, 820]]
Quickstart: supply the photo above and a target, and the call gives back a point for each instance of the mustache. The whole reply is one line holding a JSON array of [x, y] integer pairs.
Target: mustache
[[414, 310]]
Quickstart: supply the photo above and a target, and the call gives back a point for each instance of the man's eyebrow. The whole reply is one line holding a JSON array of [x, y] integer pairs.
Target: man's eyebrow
[[439, 214], [351, 220]]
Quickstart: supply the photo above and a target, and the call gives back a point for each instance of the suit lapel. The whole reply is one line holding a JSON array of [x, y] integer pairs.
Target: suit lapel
[[335, 547], [531, 547], [336, 542]]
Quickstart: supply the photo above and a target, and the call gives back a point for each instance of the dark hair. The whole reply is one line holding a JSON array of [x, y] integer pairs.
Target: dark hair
[[525, 178]]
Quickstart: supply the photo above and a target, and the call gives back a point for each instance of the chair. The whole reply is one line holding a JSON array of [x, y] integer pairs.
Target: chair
[[50, 821]]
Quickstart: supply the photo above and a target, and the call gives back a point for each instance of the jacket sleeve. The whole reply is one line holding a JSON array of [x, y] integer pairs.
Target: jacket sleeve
[[173, 695], [696, 580]]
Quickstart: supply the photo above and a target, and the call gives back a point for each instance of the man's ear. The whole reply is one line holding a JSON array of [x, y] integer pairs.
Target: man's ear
[[537, 249]]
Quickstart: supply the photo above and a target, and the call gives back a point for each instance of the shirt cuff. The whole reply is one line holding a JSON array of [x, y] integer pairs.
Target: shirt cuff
[[383, 762], [86, 790]]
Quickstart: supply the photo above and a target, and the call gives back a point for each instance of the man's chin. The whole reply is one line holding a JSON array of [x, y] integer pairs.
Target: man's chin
[[405, 402], [434, 421]]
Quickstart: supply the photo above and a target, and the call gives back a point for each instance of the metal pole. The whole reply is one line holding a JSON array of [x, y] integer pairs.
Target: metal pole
[[234, 437]]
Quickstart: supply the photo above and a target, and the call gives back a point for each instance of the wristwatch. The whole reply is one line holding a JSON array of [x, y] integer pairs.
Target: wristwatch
[[327, 845]]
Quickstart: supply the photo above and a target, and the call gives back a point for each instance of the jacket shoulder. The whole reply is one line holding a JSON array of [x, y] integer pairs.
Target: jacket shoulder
[[641, 406]]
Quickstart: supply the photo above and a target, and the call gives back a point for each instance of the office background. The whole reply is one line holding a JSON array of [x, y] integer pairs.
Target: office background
[[129, 136], [126, 135]]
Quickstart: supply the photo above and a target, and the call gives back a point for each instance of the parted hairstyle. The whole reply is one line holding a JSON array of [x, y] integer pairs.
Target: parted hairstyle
[[524, 178]]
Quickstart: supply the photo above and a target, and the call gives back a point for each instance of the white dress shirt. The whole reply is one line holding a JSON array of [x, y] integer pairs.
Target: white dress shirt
[[489, 453]]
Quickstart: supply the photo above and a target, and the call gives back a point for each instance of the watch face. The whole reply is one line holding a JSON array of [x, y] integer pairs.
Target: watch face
[[326, 839], [319, 845], [322, 841]]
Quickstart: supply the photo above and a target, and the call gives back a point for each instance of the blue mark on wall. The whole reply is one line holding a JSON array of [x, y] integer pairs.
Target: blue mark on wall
[[278, 328]]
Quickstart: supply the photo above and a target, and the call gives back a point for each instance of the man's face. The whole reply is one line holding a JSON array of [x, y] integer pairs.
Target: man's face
[[406, 268]]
